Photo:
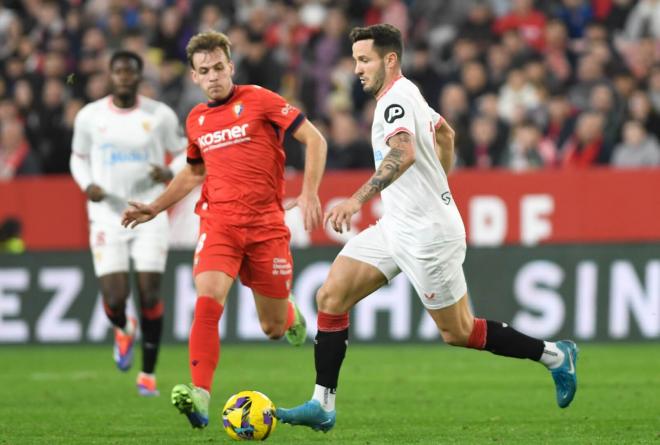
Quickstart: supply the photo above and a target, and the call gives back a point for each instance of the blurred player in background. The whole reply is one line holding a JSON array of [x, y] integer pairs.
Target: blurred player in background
[[421, 234], [118, 154], [235, 149]]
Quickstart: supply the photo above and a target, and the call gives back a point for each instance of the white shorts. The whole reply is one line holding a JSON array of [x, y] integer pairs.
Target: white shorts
[[113, 246], [434, 268]]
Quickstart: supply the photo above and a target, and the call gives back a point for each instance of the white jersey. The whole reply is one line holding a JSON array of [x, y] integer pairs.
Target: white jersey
[[420, 197], [115, 148]]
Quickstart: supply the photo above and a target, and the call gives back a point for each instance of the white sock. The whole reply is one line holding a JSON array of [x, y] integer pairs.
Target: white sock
[[552, 356], [326, 396]]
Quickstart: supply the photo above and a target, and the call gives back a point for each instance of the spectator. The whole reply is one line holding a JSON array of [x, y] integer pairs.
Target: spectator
[[454, 107], [484, 149], [624, 84], [435, 21], [602, 100], [499, 63], [517, 95], [654, 88], [561, 119], [528, 150], [589, 74], [393, 12], [475, 81], [523, 18], [421, 72], [172, 35], [585, 147], [576, 14], [638, 149], [644, 20], [478, 25], [639, 108], [557, 55], [487, 107], [346, 150], [323, 52], [615, 19], [11, 30], [259, 67], [16, 158]]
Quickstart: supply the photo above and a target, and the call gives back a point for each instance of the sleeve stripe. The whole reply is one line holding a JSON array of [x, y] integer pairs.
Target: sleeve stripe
[[441, 121], [297, 122], [194, 160], [398, 130]]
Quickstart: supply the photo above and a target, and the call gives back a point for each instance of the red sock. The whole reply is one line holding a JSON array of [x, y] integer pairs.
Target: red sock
[[204, 342], [290, 315], [332, 323], [478, 335]]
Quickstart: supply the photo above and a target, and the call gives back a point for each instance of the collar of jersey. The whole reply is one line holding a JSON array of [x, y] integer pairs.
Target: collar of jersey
[[388, 87], [217, 103]]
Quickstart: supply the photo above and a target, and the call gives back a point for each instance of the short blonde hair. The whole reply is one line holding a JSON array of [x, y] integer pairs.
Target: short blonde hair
[[207, 42]]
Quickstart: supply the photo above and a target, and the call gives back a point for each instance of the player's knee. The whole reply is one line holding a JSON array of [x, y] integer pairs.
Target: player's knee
[[272, 329], [455, 337], [330, 300], [149, 298], [114, 300]]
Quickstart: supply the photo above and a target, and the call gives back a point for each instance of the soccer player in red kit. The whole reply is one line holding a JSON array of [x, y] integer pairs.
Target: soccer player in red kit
[[235, 150]]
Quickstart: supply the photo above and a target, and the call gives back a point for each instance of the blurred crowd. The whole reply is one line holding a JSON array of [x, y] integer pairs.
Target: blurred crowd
[[526, 85]]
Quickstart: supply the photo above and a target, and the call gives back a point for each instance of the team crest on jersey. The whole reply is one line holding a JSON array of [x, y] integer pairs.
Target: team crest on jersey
[[147, 126], [201, 120], [393, 112], [238, 109], [286, 109]]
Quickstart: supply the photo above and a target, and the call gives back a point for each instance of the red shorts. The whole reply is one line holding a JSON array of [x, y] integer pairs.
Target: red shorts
[[260, 256]]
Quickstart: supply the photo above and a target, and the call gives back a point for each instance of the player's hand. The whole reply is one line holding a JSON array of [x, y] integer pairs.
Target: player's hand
[[95, 193], [340, 215], [160, 174], [137, 213], [310, 206]]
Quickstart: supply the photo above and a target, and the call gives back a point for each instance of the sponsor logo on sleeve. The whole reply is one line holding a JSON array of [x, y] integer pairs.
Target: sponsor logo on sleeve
[[393, 112]]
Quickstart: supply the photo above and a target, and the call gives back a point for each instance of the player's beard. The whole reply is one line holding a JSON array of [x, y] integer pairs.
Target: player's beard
[[379, 80]]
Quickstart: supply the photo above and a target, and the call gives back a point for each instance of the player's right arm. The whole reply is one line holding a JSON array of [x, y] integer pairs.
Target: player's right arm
[[183, 183], [79, 163]]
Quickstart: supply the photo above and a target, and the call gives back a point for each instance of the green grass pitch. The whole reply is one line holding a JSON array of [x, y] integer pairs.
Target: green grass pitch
[[396, 394]]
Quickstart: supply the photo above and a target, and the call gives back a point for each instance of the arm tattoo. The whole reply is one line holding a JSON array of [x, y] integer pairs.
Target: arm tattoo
[[388, 171]]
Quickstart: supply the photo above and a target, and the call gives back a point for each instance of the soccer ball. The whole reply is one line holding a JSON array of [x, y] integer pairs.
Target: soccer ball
[[249, 415]]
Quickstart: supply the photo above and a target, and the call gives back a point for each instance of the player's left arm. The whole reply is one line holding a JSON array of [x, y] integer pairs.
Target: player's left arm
[[315, 155], [444, 145], [400, 157]]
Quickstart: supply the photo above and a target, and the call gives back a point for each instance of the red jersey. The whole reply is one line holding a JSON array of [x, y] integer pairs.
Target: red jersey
[[239, 139]]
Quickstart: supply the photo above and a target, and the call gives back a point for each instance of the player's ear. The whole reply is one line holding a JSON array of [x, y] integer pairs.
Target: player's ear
[[231, 68], [193, 75], [391, 60]]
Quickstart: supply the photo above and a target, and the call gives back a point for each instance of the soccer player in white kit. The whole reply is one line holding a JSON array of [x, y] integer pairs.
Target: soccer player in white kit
[[421, 234], [118, 154]]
